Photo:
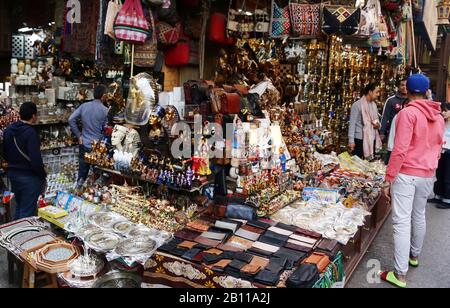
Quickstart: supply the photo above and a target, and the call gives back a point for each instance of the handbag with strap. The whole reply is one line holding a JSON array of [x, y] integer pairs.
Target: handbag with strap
[[280, 24], [145, 55], [114, 7], [178, 55], [340, 20], [130, 24], [305, 19], [167, 34]]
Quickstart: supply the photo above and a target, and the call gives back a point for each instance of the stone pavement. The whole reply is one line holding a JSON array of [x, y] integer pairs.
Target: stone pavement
[[434, 262]]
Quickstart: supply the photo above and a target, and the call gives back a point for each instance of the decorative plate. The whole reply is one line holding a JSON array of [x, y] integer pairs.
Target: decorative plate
[[41, 238], [123, 227], [87, 229], [105, 220], [102, 241], [119, 281], [135, 246]]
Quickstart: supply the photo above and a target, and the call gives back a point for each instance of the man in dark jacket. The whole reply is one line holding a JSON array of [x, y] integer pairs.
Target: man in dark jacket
[[392, 107], [22, 151]]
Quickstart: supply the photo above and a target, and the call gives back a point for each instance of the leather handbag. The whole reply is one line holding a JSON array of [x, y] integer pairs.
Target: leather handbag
[[168, 13], [338, 19], [240, 211], [216, 104], [304, 277], [130, 24], [145, 55], [114, 7], [217, 27], [178, 55], [230, 103], [196, 92], [321, 260], [167, 34], [329, 247], [241, 89], [280, 24], [305, 19]]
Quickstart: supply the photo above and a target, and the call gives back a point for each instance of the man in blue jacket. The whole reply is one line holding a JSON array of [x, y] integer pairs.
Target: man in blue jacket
[[22, 151]]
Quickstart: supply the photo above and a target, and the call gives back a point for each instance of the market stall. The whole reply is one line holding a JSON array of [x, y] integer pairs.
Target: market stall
[[223, 162]]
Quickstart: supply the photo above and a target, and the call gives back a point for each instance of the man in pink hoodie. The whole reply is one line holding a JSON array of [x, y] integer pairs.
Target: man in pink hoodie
[[410, 174]]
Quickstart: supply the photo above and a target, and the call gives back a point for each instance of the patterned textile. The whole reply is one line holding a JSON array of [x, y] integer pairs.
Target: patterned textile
[[281, 21], [305, 19], [340, 20]]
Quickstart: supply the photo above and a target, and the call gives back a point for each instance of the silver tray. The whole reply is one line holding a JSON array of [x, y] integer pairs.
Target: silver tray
[[135, 247], [41, 238], [123, 227], [119, 281], [105, 220], [86, 230], [102, 241]]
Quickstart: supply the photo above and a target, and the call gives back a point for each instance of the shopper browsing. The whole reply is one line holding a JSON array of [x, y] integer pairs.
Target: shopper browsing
[[392, 107], [442, 186], [22, 150], [410, 174], [93, 117], [363, 136]]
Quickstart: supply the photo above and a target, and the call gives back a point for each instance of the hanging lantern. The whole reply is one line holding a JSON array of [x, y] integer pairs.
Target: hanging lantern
[[443, 9]]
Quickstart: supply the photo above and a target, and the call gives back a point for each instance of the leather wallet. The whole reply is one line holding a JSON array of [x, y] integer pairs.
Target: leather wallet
[[247, 234], [226, 225], [276, 236], [260, 261], [271, 241], [259, 252], [237, 264], [329, 247], [220, 265], [291, 241], [266, 247], [258, 224], [167, 248], [207, 242], [298, 247], [191, 253], [199, 257], [321, 260], [304, 239], [199, 225], [274, 268], [179, 252], [252, 229], [290, 254], [308, 233], [187, 244], [187, 235], [214, 251], [228, 247], [267, 277], [251, 269], [244, 257], [211, 258], [286, 227], [214, 236], [240, 242], [280, 231]]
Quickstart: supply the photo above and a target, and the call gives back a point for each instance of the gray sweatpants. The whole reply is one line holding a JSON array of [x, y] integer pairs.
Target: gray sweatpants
[[409, 199]]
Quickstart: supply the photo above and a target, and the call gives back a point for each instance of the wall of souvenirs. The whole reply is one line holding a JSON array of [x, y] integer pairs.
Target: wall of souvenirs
[[284, 205]]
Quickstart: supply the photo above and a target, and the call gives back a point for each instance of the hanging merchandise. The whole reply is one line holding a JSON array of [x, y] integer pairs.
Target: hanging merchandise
[[145, 55], [340, 20], [168, 12], [305, 19], [178, 55], [155, 2], [379, 38], [262, 20], [168, 34], [368, 18], [131, 24], [281, 21], [114, 7], [217, 30], [240, 22]]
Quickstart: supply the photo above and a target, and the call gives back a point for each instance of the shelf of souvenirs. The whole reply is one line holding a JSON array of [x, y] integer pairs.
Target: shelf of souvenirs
[[58, 146], [203, 182]]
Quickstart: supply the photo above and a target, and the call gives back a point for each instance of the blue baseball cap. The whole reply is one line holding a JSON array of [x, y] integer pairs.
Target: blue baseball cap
[[418, 83]]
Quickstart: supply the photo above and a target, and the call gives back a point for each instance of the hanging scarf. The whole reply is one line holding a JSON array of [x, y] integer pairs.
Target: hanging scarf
[[370, 134]]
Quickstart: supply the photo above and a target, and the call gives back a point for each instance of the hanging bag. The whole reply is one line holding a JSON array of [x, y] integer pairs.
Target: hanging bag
[[114, 7], [240, 24], [338, 19], [305, 19], [261, 20], [145, 55], [131, 25], [178, 55], [280, 23], [168, 34]]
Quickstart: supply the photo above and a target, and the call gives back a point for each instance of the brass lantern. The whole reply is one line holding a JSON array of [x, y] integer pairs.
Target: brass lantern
[[443, 9]]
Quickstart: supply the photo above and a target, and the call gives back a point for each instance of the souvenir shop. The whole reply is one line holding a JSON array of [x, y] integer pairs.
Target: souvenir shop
[[224, 163]]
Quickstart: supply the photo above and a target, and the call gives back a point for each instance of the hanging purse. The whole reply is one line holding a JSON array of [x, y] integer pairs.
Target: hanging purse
[[261, 21], [368, 19], [305, 19], [280, 24], [114, 7], [145, 55], [338, 19], [178, 55], [131, 24], [168, 12], [167, 34], [379, 37], [240, 24]]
